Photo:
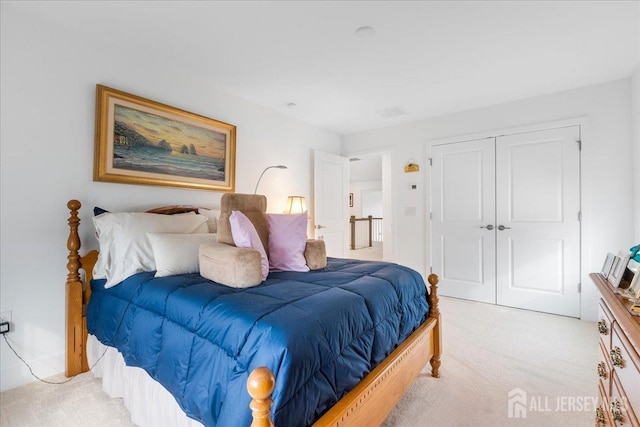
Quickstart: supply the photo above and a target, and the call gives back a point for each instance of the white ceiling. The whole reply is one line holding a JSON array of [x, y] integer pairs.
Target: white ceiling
[[427, 57]]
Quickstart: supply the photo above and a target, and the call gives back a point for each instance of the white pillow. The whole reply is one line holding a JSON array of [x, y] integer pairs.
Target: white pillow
[[177, 253], [124, 245], [212, 218], [100, 268]]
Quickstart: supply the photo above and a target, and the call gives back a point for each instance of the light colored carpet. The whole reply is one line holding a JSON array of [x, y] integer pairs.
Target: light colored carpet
[[491, 350], [488, 352], [78, 403], [374, 253]]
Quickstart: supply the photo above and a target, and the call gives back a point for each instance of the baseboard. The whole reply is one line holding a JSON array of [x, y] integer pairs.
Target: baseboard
[[18, 374]]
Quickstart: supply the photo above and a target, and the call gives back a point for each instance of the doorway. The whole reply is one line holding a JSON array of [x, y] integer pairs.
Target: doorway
[[370, 206], [505, 225]]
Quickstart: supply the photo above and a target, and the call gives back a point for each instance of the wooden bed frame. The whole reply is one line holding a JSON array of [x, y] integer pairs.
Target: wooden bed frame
[[368, 404]]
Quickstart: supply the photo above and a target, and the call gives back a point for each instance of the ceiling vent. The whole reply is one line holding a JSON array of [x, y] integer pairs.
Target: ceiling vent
[[391, 112]]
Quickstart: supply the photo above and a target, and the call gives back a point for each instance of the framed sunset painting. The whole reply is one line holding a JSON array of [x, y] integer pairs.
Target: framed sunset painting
[[139, 141]]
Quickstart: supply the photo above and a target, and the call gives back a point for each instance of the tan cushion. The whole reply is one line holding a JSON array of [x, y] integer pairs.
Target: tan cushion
[[229, 265], [315, 254], [254, 206]]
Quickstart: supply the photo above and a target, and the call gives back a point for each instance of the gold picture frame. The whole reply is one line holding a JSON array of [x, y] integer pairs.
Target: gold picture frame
[[143, 142]]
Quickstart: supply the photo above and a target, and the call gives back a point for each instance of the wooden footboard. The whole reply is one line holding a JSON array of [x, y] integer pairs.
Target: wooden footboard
[[371, 401], [368, 404]]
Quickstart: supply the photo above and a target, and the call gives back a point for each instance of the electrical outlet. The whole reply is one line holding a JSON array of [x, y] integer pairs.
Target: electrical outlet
[[5, 321]]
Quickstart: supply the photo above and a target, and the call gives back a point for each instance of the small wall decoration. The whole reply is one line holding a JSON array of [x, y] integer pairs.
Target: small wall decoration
[[139, 141], [411, 167]]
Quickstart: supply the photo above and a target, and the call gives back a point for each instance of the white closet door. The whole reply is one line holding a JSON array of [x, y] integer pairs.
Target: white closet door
[[463, 210], [538, 203]]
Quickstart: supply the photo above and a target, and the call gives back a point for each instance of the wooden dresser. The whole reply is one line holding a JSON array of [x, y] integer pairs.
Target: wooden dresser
[[619, 366]]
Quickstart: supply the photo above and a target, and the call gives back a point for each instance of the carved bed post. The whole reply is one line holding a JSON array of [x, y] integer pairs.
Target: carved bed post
[[74, 295], [434, 312], [260, 386]]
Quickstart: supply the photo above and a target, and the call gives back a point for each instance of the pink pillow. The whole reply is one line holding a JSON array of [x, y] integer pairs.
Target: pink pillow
[[287, 241], [245, 236]]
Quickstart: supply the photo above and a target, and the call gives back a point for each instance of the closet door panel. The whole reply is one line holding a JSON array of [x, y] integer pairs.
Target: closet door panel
[[463, 205], [537, 207]]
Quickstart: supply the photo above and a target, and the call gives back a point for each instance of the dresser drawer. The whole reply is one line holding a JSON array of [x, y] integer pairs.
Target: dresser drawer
[[626, 365], [604, 369], [603, 416], [619, 406], [605, 322]]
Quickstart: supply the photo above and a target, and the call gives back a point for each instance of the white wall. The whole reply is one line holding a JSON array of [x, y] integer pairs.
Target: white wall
[[372, 203], [356, 187], [606, 163], [47, 131], [635, 114]]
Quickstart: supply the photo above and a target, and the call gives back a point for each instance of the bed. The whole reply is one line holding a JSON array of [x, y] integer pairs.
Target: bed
[[361, 391]]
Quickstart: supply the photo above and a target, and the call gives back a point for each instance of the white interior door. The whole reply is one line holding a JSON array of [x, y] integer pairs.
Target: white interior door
[[538, 225], [463, 216], [331, 202]]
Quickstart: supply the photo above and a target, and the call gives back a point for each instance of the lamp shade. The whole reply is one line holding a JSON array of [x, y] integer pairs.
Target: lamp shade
[[295, 204]]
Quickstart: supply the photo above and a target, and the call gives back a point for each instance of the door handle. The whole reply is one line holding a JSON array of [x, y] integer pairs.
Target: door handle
[[318, 227], [502, 227], [488, 227]]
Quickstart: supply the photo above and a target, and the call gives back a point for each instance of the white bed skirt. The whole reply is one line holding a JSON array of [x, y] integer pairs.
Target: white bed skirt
[[149, 403]]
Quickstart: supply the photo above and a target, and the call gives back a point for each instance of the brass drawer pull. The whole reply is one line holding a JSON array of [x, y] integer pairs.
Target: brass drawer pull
[[602, 370], [615, 410], [616, 357], [602, 327], [600, 419]]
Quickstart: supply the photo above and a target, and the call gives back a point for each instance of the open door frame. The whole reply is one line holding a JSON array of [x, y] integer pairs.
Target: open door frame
[[389, 200]]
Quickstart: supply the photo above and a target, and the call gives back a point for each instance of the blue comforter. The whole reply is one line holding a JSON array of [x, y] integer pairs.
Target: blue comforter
[[319, 332]]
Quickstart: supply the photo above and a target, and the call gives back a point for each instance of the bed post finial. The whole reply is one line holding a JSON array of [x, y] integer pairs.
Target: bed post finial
[[73, 242], [433, 296], [434, 312], [260, 386]]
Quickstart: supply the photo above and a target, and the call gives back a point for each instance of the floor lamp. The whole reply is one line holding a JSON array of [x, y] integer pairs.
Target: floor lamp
[[266, 169]]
